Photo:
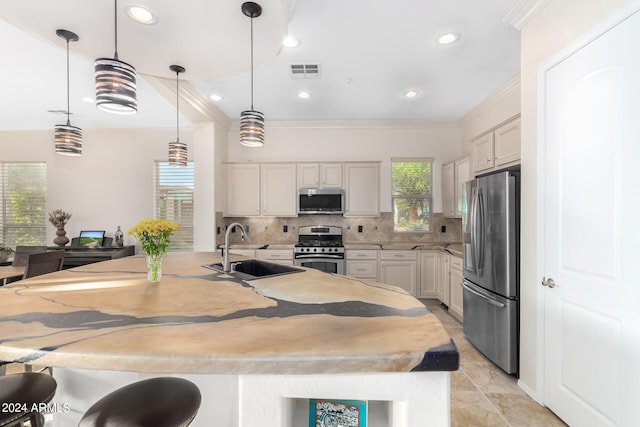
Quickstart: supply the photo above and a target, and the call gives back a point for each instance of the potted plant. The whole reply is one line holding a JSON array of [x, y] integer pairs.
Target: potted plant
[[154, 235], [5, 251]]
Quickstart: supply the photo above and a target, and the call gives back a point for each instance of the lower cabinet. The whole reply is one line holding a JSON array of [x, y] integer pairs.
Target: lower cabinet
[[455, 283], [443, 278], [362, 264], [280, 256], [428, 274], [399, 268]]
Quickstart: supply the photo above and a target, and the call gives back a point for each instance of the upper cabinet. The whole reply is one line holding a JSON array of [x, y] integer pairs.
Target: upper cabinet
[[454, 176], [497, 149], [267, 189], [320, 175], [362, 189], [243, 189], [278, 189]]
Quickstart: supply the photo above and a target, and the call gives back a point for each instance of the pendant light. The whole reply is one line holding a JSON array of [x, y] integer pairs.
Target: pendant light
[[251, 121], [115, 82], [68, 139], [177, 149]]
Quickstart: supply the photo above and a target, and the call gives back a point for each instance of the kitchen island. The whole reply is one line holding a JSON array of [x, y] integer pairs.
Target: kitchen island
[[255, 348]]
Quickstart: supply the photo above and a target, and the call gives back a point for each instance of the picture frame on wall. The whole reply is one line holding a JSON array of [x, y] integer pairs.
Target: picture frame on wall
[[331, 413]]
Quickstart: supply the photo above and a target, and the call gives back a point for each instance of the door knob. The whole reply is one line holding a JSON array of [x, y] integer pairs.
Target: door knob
[[548, 282]]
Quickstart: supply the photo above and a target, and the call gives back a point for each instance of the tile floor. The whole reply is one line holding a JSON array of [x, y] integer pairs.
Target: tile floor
[[482, 395]]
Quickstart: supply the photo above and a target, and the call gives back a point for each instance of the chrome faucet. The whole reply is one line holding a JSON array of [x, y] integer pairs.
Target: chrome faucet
[[225, 252]]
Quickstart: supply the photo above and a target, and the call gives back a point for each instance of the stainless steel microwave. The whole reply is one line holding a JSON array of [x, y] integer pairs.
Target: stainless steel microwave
[[320, 201]]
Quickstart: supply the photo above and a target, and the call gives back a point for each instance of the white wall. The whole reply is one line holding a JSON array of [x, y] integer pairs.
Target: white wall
[[558, 24], [111, 184], [325, 141]]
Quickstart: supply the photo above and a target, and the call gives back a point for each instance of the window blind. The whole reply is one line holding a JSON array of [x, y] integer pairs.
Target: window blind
[[173, 201], [23, 219]]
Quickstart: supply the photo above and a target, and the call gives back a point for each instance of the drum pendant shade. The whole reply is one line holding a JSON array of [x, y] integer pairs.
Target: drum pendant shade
[[115, 81], [67, 138]]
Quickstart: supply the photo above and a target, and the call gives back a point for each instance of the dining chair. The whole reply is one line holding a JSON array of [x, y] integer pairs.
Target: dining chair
[[43, 262], [21, 255]]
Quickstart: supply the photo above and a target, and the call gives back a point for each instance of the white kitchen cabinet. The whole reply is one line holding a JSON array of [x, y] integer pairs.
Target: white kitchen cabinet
[[507, 143], [497, 149], [454, 176], [455, 284], [448, 189], [362, 189], [428, 283], [399, 268], [278, 189], [243, 189], [320, 175], [443, 278], [280, 256], [362, 264], [482, 152]]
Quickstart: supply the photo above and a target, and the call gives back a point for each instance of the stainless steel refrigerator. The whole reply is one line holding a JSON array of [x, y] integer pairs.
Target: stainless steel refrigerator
[[491, 285]]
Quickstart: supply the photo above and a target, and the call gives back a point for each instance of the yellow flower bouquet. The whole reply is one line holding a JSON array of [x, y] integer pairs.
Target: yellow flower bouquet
[[153, 235]]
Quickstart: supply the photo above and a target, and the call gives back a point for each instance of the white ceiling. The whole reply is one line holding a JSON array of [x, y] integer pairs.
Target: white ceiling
[[369, 52]]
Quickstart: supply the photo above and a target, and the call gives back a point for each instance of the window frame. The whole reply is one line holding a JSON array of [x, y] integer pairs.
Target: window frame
[[38, 217], [182, 241], [425, 198]]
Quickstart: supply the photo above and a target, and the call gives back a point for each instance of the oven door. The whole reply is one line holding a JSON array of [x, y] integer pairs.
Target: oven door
[[327, 264]]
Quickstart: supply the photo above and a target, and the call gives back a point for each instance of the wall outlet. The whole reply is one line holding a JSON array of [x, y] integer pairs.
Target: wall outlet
[[285, 229], [217, 230], [359, 229], [443, 228]]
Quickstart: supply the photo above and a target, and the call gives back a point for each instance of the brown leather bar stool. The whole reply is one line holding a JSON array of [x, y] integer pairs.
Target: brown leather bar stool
[[156, 402], [20, 393]]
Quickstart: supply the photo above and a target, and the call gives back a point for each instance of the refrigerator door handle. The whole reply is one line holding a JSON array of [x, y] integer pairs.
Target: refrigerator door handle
[[489, 300], [481, 237]]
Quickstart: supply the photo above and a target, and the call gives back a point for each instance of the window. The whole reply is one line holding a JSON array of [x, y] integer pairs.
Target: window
[[411, 194], [23, 219], [173, 194]]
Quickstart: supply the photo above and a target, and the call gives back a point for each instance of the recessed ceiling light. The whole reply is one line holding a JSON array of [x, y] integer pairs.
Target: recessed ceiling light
[[410, 93], [88, 99], [141, 15], [290, 41], [448, 38], [216, 97], [304, 95]]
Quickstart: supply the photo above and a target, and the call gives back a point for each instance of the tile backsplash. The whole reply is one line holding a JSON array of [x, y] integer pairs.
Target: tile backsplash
[[269, 230]]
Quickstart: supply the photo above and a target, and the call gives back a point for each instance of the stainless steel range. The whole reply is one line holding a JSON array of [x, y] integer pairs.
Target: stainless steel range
[[320, 247]]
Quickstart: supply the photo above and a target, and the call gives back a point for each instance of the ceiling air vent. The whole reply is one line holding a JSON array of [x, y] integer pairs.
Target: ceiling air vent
[[305, 71]]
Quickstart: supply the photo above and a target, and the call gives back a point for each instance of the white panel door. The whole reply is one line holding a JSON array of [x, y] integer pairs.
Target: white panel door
[[592, 229]]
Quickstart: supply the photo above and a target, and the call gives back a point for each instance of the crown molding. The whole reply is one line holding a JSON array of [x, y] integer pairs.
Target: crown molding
[[524, 12], [507, 89], [352, 124]]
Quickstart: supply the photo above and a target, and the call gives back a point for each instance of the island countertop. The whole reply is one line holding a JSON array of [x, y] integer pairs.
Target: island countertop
[[198, 321]]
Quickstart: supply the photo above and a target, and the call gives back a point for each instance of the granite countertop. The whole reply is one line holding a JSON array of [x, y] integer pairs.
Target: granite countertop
[[452, 248], [107, 316]]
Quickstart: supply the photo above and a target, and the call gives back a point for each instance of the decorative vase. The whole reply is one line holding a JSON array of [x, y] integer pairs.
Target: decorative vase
[[154, 268], [61, 238]]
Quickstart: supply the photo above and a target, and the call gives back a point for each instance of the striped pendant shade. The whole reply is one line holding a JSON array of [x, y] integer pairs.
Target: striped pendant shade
[[177, 153], [115, 81], [68, 140], [252, 128], [115, 86]]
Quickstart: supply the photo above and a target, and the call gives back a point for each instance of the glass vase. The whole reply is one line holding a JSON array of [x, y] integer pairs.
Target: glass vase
[[154, 268]]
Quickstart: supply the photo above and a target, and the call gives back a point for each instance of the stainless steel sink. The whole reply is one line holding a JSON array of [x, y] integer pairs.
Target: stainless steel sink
[[253, 269]]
